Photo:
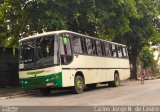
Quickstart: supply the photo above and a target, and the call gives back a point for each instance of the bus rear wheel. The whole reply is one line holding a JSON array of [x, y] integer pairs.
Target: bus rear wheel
[[78, 84], [116, 81]]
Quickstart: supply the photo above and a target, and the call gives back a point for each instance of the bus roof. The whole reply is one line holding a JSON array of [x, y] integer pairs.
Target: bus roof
[[63, 31]]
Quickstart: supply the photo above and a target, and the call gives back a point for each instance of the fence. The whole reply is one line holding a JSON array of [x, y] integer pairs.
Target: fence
[[8, 67]]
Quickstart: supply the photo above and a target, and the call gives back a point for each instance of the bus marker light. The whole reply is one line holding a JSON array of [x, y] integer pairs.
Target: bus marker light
[[50, 84]]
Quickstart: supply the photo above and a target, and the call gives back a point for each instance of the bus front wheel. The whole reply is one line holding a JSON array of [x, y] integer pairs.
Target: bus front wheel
[[116, 81], [78, 84]]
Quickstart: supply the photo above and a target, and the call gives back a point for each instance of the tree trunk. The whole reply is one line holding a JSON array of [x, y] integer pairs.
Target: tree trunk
[[133, 54], [133, 69]]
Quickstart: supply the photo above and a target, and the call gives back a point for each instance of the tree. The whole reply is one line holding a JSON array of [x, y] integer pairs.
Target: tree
[[114, 18], [11, 22], [81, 16], [156, 38], [21, 18], [142, 30], [146, 57]]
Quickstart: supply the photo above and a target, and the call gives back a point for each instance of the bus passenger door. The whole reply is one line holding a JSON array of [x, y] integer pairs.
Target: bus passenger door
[[66, 51], [66, 57]]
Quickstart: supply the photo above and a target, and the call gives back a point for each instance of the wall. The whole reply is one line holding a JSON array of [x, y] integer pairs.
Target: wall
[[8, 67]]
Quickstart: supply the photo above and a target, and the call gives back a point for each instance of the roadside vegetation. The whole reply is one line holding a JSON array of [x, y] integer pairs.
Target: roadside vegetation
[[146, 59]]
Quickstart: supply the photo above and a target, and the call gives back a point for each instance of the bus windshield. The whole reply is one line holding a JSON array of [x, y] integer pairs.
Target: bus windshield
[[38, 53]]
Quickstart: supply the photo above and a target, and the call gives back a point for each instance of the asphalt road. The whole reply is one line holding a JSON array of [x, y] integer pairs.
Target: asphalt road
[[130, 93]]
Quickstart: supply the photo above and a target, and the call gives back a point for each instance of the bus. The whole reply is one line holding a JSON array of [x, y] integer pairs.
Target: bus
[[60, 59]]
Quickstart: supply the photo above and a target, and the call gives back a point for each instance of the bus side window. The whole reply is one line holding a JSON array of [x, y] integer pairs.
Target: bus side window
[[94, 47], [103, 48], [66, 53], [107, 49], [111, 49], [83, 46], [119, 50], [114, 52], [124, 52], [89, 46], [77, 44], [99, 49]]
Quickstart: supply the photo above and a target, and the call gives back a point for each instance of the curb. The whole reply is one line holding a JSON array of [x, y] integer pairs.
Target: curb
[[18, 95], [158, 77], [12, 96]]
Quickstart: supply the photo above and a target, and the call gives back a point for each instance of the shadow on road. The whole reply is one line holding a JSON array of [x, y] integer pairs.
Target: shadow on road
[[67, 91]]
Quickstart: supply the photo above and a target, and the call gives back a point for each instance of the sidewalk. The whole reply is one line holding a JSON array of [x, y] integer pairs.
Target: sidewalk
[[10, 92], [150, 78]]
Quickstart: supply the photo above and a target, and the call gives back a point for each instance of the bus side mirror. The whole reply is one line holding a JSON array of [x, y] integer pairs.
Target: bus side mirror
[[65, 41]]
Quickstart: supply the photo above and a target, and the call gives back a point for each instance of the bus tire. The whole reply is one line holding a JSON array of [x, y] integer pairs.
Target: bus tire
[[116, 81], [92, 86], [78, 84], [45, 91]]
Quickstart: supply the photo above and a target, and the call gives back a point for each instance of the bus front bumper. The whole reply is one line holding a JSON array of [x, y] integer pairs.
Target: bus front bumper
[[53, 81]]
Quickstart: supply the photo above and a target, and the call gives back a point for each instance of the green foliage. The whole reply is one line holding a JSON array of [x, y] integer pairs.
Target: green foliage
[[21, 18], [146, 57], [81, 17], [120, 20], [114, 17]]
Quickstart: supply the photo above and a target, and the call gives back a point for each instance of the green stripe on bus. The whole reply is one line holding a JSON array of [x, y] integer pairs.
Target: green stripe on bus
[[35, 73], [42, 81]]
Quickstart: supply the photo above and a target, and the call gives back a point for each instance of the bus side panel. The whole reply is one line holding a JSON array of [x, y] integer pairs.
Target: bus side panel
[[120, 65], [94, 69], [69, 75], [124, 72], [111, 64]]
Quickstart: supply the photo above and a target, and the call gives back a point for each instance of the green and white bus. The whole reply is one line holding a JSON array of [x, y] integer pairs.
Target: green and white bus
[[64, 58]]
